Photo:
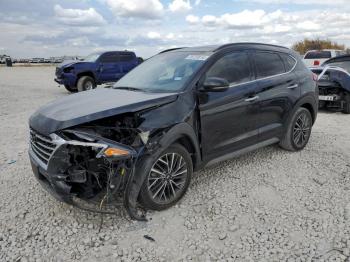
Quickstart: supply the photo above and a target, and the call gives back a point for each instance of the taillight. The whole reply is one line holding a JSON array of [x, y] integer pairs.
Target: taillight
[[314, 77], [316, 63]]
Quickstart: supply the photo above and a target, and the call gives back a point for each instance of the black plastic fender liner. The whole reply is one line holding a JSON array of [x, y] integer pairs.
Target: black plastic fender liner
[[133, 187]]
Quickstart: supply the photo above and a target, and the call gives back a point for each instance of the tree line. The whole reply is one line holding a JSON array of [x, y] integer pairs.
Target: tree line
[[317, 44]]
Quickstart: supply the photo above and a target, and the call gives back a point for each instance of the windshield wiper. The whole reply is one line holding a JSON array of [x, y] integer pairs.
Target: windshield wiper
[[128, 88]]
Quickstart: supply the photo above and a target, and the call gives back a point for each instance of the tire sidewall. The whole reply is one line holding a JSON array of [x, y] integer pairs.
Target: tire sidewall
[[145, 197], [291, 128], [83, 80]]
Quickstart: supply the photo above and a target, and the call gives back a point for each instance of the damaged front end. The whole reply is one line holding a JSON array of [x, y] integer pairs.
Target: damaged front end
[[92, 164]]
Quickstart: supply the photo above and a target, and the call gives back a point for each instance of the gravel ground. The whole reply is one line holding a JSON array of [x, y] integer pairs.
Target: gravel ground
[[269, 205]]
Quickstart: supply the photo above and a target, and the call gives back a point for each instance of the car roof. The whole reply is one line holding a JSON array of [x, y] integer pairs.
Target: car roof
[[233, 46], [119, 52]]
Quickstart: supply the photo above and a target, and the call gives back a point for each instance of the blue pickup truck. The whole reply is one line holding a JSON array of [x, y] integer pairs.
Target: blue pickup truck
[[95, 69]]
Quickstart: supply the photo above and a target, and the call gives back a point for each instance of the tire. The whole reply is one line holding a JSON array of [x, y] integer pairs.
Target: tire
[[302, 121], [86, 83], [71, 89], [346, 109], [154, 181]]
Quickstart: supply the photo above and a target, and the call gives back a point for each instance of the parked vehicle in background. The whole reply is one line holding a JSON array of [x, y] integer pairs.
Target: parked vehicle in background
[[318, 57], [57, 60], [24, 60], [3, 59], [334, 83], [175, 113], [95, 69], [37, 60]]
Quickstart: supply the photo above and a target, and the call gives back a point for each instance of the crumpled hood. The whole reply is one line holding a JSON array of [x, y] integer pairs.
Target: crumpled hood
[[340, 76], [92, 105]]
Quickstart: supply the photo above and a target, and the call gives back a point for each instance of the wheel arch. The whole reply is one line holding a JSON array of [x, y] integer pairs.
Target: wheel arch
[[309, 107], [184, 135], [85, 73], [310, 103], [181, 133]]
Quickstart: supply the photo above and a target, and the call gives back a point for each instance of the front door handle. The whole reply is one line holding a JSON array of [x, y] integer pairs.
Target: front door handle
[[293, 86], [251, 99]]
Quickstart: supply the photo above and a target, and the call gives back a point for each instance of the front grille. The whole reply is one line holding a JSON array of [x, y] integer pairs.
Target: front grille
[[42, 146], [58, 72]]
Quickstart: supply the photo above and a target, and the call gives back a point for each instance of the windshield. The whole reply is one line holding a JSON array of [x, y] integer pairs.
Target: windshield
[[344, 64], [92, 57], [166, 72]]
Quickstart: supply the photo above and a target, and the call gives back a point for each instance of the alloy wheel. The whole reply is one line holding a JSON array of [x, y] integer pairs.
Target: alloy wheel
[[89, 85], [167, 178], [302, 129]]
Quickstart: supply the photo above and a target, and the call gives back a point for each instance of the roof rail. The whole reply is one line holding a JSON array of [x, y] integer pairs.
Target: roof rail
[[248, 43], [170, 49]]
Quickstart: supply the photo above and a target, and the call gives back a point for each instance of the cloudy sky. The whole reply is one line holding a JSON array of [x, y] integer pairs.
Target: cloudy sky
[[43, 28]]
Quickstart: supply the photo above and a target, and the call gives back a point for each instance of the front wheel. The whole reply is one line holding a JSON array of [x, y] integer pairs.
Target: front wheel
[[86, 83], [168, 178], [298, 131]]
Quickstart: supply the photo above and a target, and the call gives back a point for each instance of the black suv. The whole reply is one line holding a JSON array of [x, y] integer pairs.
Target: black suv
[[179, 111]]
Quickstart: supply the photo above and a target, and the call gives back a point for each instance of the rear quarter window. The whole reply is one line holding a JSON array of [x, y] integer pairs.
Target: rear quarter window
[[109, 58], [268, 64], [318, 55], [289, 62]]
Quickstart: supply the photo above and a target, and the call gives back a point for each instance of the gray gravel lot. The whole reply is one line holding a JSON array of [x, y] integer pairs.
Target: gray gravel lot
[[269, 205]]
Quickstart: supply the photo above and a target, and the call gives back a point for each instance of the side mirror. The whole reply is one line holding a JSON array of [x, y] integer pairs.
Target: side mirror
[[215, 84]]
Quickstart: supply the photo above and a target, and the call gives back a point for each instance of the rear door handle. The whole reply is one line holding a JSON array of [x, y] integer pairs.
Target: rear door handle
[[251, 99], [293, 86]]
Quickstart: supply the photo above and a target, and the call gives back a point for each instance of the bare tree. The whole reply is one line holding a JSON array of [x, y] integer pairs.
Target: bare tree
[[316, 44]]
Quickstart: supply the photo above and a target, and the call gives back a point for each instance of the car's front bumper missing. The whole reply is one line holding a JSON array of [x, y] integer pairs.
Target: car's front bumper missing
[[60, 183], [51, 182]]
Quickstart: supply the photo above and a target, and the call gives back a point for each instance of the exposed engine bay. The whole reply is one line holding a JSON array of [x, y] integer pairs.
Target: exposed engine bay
[[85, 170]]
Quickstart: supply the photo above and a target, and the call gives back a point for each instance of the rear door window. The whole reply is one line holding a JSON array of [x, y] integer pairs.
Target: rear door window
[[234, 67], [268, 64], [110, 58], [318, 55], [126, 57]]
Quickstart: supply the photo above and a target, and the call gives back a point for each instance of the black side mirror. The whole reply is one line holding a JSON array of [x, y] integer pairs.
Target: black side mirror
[[215, 84]]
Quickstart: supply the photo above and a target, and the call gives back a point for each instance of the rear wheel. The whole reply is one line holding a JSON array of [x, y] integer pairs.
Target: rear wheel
[[346, 109], [168, 178], [86, 83], [299, 131], [71, 89]]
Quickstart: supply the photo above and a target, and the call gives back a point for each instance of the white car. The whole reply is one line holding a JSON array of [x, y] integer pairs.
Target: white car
[[318, 57]]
